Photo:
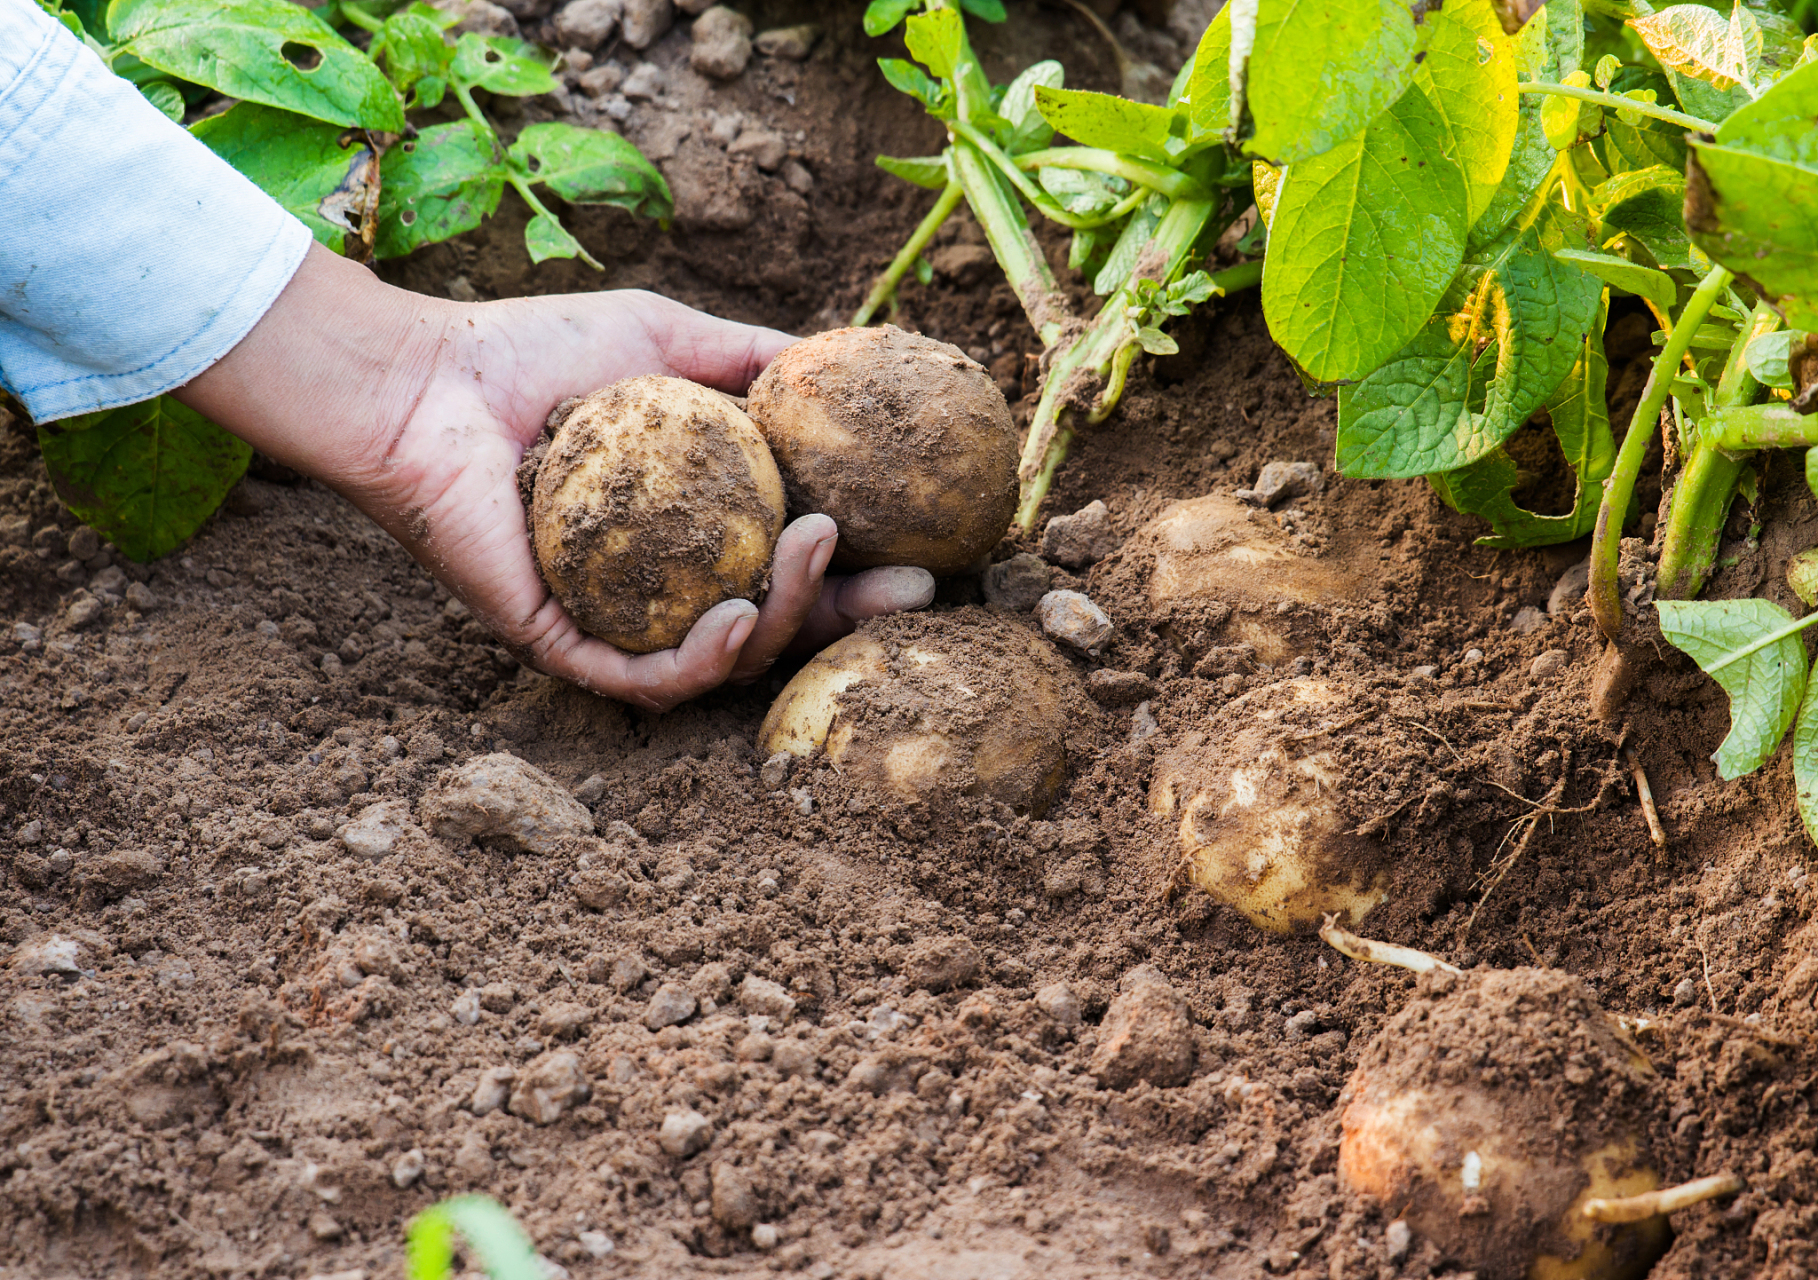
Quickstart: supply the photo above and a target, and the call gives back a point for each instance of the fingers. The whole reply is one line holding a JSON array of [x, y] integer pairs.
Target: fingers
[[658, 681], [707, 349], [796, 571], [846, 602]]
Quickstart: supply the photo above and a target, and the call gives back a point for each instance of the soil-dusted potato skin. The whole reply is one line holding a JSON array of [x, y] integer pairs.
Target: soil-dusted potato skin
[[921, 707], [656, 500], [1261, 821], [904, 441], [1524, 1068]]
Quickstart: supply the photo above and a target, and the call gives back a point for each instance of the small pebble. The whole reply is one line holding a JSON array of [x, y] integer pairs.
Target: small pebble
[[1549, 664], [1527, 621], [644, 22], [1083, 538], [493, 1089], [793, 44], [765, 1237], [1019, 583], [775, 771], [673, 1003], [1685, 995], [1396, 1239], [804, 801], [84, 543], [684, 1133], [466, 1008], [586, 24], [644, 83], [1570, 588], [721, 43], [407, 1168], [1279, 481], [1072, 618], [1059, 1003]]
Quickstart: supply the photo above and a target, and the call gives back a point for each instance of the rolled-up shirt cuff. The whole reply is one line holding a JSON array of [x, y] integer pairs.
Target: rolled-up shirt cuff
[[131, 256]]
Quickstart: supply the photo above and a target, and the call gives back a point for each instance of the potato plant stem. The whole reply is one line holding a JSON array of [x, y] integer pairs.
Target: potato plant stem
[[1701, 499], [1616, 102], [1619, 486], [1033, 193], [1762, 426], [512, 176], [1170, 182], [885, 289]]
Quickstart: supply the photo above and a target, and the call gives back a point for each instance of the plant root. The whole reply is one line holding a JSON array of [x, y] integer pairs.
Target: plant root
[[1666, 1200], [1645, 794], [1369, 949]]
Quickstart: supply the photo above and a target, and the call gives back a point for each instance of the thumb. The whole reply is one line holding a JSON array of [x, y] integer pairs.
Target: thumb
[[706, 349]]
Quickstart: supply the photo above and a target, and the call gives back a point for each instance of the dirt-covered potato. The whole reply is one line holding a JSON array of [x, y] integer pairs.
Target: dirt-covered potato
[[1489, 1110], [656, 500], [1214, 564], [904, 441], [1259, 797], [926, 706]]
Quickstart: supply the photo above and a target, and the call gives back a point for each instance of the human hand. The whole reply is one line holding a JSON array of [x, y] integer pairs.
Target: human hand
[[419, 411]]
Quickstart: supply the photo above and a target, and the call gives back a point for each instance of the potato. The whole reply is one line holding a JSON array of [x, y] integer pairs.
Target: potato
[[926, 707], [1258, 794], [656, 500], [1218, 565], [904, 441], [1488, 1111]]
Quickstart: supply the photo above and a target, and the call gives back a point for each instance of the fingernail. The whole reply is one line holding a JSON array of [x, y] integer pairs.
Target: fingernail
[[741, 632], [823, 555]]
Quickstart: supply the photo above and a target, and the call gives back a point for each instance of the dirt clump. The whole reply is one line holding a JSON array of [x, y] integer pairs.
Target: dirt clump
[[904, 441]]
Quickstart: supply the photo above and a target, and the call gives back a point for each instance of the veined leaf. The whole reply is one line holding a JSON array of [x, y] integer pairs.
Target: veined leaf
[[923, 171], [985, 10], [417, 57], [1647, 205], [1079, 192], [1768, 357], [881, 16], [1644, 282], [1318, 74], [906, 77], [444, 183], [1765, 687], [1646, 143], [1750, 194], [258, 50], [1509, 327], [1805, 758], [1027, 130], [1207, 100], [935, 39], [165, 96], [296, 161], [1548, 50], [590, 166], [1469, 76], [499, 64], [1581, 423], [1117, 124], [1695, 41], [546, 238], [145, 475], [1363, 242]]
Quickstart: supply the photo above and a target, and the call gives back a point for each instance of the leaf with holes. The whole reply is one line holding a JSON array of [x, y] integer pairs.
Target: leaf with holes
[[444, 183], [1363, 241], [296, 161], [267, 51], [145, 475], [1765, 687], [1508, 329], [586, 166], [499, 64], [1318, 74]]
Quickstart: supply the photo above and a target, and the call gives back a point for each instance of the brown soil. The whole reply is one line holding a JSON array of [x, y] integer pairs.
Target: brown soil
[[904, 441], [257, 1029]]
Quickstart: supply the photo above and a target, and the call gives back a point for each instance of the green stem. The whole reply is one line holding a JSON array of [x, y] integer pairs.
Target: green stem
[[885, 288], [1756, 646], [1245, 275], [360, 18], [1701, 499], [1007, 231], [1760, 426], [1619, 487], [1616, 102], [1170, 182], [516, 179], [1032, 191]]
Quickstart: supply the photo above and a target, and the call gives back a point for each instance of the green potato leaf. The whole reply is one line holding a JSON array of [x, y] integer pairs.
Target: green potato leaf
[[1765, 686], [499, 64], [165, 96], [1548, 50], [1647, 205], [1116, 124], [923, 171], [1079, 192], [1695, 41], [296, 161], [589, 166], [1647, 142], [935, 40], [1768, 357], [267, 51], [444, 183], [1318, 74], [547, 238], [1510, 328], [1363, 241], [906, 77], [497, 1242], [1805, 756], [1631, 277], [985, 10], [417, 57], [1206, 99], [1469, 76], [1580, 418], [881, 16], [145, 475], [1753, 213], [1027, 130], [1127, 250], [1780, 124]]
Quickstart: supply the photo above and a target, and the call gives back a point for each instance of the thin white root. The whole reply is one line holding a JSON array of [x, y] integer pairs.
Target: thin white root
[[1666, 1200], [1347, 943], [1646, 795]]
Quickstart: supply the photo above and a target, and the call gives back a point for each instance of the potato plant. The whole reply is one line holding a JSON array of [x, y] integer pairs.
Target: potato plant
[[325, 121]]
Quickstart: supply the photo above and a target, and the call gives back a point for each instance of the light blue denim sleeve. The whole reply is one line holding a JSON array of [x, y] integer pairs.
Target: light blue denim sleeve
[[131, 256]]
